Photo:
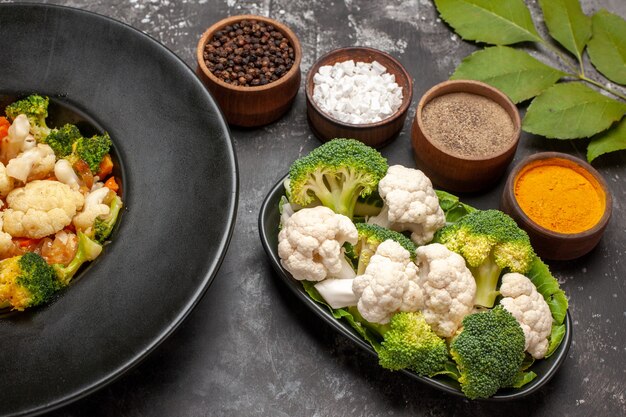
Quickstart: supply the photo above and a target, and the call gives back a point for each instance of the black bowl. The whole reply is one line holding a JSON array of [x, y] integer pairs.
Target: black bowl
[[269, 218], [179, 177]]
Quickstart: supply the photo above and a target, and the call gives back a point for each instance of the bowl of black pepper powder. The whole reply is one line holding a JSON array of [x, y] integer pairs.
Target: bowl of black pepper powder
[[251, 65], [465, 134]]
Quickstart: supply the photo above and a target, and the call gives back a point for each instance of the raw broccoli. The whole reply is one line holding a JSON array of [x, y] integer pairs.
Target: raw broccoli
[[488, 352], [408, 342], [336, 174], [62, 140], [92, 150], [104, 226], [370, 236], [490, 241], [35, 107], [88, 250], [26, 281]]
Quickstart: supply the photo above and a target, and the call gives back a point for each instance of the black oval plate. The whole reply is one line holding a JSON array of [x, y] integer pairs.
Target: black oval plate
[[180, 192], [269, 219]]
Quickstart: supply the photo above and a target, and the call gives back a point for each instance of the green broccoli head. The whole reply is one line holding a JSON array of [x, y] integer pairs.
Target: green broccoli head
[[62, 140], [372, 235], [490, 241], [88, 250], [26, 281], [92, 150], [336, 174], [488, 352], [410, 343], [35, 107], [104, 226]]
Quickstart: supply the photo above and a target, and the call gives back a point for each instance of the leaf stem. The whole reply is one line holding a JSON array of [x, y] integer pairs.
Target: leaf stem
[[563, 57], [597, 84]]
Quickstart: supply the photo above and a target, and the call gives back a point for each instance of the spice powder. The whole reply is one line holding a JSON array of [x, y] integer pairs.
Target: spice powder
[[560, 195], [468, 125]]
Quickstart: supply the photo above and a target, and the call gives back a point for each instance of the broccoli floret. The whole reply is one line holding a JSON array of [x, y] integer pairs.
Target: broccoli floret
[[336, 174], [490, 241], [489, 352], [92, 150], [26, 281], [410, 343], [372, 235], [35, 107], [88, 250], [62, 140], [104, 226]]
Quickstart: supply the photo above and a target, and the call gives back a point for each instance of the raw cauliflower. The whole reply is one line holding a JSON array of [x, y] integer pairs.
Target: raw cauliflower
[[41, 208], [388, 285], [94, 207], [310, 244], [410, 204], [528, 306], [448, 288], [34, 164]]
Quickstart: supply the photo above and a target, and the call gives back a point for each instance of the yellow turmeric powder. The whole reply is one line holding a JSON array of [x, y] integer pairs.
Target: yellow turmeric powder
[[559, 195]]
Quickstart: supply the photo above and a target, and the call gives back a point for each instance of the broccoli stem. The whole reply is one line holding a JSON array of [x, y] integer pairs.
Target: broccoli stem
[[486, 276]]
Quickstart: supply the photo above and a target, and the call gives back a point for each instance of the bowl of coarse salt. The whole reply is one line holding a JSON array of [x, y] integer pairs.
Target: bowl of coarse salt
[[360, 93]]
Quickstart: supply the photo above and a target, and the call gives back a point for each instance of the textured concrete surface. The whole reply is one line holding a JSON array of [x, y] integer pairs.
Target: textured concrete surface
[[249, 348]]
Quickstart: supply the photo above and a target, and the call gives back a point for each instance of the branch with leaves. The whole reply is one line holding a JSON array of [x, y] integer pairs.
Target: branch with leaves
[[559, 110]]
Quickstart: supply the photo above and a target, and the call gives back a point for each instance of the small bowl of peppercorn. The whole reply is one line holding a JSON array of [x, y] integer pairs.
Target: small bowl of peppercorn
[[358, 92], [251, 65]]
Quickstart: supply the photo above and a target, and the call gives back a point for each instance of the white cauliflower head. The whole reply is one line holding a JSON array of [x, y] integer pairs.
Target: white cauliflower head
[[6, 182], [6, 240], [64, 173], [388, 285], [310, 244], [448, 286], [410, 204], [34, 164], [530, 309], [18, 139], [94, 207], [40, 208]]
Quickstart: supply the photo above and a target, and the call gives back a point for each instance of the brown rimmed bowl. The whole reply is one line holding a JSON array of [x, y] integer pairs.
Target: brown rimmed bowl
[[454, 172], [378, 134], [258, 105], [547, 243]]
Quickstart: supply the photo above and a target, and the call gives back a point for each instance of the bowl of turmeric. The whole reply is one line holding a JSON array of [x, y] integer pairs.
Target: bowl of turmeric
[[561, 201]]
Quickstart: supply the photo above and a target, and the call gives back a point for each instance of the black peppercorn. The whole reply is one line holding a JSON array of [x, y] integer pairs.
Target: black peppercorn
[[249, 53]]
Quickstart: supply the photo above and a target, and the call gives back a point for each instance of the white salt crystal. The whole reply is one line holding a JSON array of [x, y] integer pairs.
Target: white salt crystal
[[356, 93]]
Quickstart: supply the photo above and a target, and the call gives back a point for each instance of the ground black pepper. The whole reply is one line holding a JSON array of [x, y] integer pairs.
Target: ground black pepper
[[249, 53]]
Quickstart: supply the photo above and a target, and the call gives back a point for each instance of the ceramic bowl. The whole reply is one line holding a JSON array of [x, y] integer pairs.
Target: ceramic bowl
[[547, 243], [254, 105], [376, 134], [454, 172]]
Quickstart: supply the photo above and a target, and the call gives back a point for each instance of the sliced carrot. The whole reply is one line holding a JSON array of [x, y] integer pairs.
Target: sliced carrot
[[106, 166], [112, 185], [4, 127], [26, 241]]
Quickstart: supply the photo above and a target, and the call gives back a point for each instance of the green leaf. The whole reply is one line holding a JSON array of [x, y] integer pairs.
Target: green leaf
[[452, 206], [549, 288], [567, 24], [523, 378], [498, 22], [611, 140], [556, 337], [571, 110], [514, 72], [607, 47]]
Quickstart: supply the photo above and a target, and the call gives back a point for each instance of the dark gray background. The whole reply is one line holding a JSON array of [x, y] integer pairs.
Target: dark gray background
[[249, 348]]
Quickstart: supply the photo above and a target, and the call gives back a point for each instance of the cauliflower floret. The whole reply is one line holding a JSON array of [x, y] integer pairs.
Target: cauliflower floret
[[64, 173], [528, 306], [388, 285], [94, 207], [310, 244], [6, 182], [18, 139], [448, 285], [41, 208], [6, 240], [34, 164], [410, 204]]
